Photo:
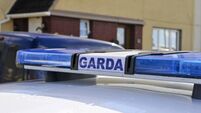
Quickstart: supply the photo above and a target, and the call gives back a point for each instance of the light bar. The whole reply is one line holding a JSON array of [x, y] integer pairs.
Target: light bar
[[182, 67], [46, 57]]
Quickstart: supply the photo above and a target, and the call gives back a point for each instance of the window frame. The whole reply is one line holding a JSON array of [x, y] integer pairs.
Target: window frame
[[169, 30]]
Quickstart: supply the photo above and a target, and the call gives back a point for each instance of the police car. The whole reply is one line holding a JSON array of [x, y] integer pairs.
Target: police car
[[131, 81], [116, 92]]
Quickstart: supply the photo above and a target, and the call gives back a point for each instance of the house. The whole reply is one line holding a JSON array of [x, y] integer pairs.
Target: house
[[135, 24]]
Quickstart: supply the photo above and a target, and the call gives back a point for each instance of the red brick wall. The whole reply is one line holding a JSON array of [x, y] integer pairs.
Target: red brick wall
[[136, 37], [103, 30], [100, 30], [20, 24], [47, 24], [62, 25]]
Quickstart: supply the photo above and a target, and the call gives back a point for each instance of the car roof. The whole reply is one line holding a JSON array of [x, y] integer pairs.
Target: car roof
[[86, 96], [28, 35], [24, 34], [45, 35]]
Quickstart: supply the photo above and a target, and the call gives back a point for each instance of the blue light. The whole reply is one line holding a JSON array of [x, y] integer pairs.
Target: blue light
[[191, 68], [47, 57], [156, 65], [186, 65]]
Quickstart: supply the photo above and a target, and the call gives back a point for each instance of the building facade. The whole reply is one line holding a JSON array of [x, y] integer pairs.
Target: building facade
[[197, 26], [135, 24], [5, 6]]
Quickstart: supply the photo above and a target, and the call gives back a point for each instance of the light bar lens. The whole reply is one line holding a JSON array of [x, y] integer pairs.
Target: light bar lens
[[182, 65], [48, 57]]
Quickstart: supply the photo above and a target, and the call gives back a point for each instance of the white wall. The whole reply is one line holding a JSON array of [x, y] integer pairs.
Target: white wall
[[197, 26], [35, 24]]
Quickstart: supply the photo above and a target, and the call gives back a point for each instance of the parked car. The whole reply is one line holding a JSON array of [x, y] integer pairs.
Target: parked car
[[11, 42]]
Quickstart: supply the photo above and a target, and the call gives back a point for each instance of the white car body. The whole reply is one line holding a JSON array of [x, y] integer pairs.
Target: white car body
[[86, 96]]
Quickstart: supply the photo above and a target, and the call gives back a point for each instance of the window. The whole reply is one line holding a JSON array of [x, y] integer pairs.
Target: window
[[121, 36], [84, 28], [165, 39]]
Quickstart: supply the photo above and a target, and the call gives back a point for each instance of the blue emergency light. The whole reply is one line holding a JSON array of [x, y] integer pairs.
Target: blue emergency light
[[156, 65], [191, 68], [185, 65], [46, 57]]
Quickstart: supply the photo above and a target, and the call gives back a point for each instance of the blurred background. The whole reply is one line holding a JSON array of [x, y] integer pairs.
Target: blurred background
[[135, 24]]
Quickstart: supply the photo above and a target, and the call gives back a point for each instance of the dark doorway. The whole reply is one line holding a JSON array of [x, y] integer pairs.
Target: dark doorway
[[21, 24], [137, 31], [129, 36]]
